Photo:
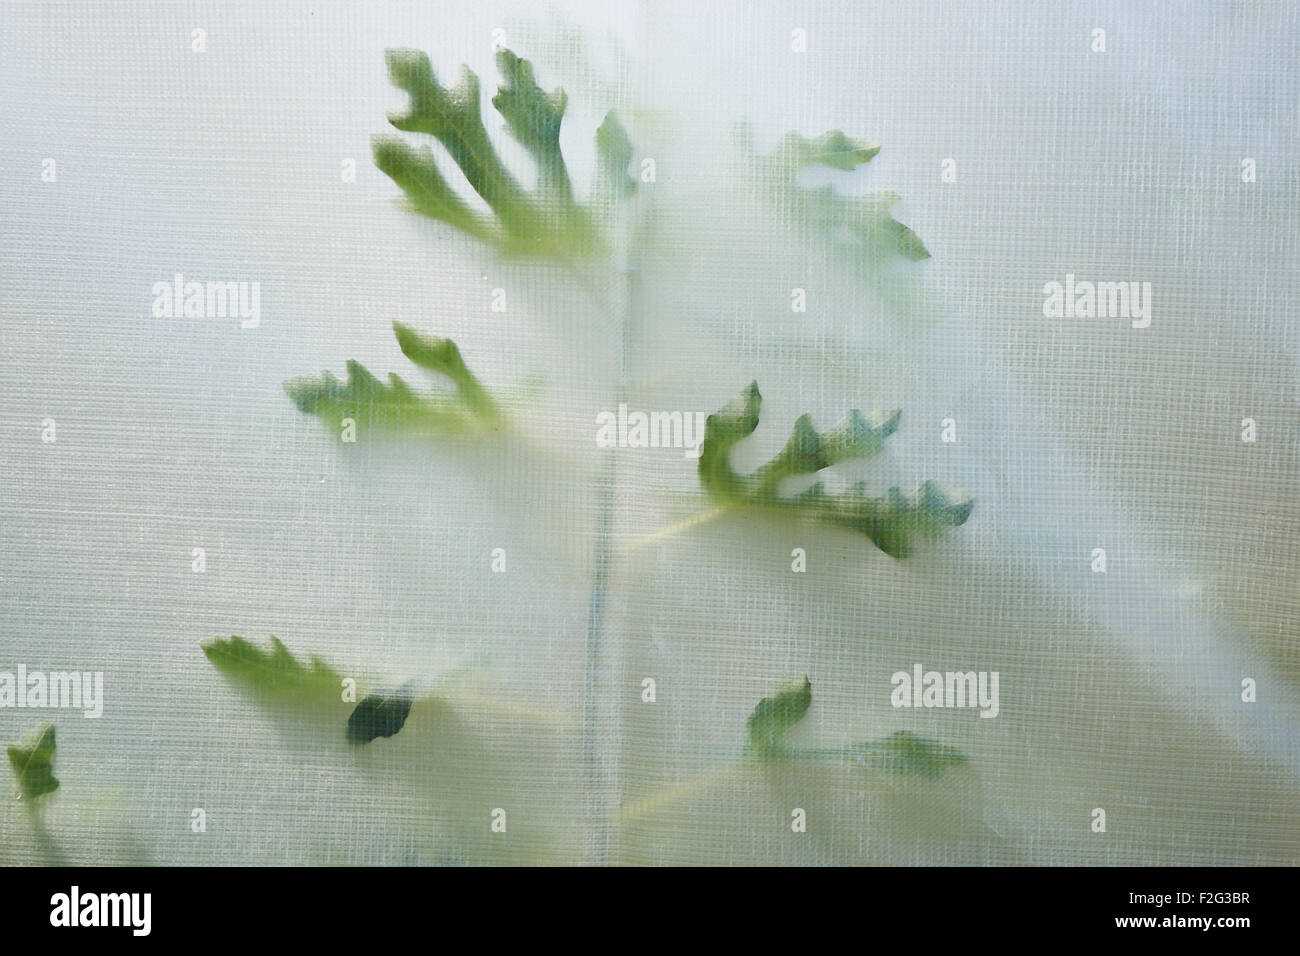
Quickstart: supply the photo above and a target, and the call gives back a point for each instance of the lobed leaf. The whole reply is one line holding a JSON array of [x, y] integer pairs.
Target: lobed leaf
[[274, 670], [890, 522], [859, 224], [546, 221], [394, 405]]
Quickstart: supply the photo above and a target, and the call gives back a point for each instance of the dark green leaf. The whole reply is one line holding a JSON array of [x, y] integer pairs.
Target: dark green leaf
[[378, 715], [32, 760], [890, 522]]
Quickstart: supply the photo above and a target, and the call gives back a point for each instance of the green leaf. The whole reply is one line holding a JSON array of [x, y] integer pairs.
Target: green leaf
[[274, 671], [534, 118], [906, 753], [775, 715], [544, 222], [442, 356], [416, 171], [372, 403], [378, 715], [832, 149], [901, 752], [859, 224], [452, 116], [32, 760], [890, 522], [614, 150]]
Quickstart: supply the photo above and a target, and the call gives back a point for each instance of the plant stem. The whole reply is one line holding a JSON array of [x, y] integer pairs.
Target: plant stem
[[597, 730], [593, 735]]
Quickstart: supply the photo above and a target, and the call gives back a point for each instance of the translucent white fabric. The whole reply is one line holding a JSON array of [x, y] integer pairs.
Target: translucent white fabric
[[1162, 690]]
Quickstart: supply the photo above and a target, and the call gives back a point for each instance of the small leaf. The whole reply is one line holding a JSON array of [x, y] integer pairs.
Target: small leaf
[[890, 522], [32, 760], [860, 224], [441, 355], [275, 670], [901, 752], [615, 152], [776, 715], [906, 753], [832, 149], [378, 715], [394, 405], [907, 242], [370, 402]]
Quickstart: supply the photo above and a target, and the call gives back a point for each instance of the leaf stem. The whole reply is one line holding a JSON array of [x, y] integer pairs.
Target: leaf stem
[[706, 517]]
